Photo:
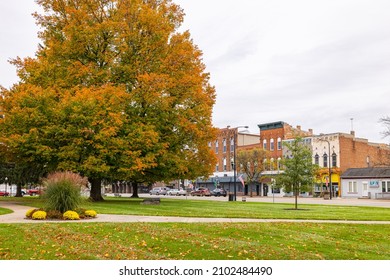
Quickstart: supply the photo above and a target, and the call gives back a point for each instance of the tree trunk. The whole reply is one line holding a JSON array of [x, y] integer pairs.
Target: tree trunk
[[96, 190], [18, 190], [135, 190], [296, 197]]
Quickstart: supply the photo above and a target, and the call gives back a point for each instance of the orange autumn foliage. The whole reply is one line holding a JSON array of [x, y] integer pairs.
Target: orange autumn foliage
[[114, 92]]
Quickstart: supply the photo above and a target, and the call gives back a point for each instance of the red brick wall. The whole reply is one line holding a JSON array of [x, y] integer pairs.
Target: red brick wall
[[272, 134], [224, 133], [354, 153]]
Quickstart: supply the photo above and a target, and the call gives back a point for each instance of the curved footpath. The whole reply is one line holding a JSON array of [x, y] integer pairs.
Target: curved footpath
[[19, 211]]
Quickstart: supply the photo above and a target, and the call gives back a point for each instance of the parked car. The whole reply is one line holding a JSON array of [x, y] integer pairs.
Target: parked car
[[158, 191], [35, 191], [4, 193], [218, 192], [177, 192], [201, 192]]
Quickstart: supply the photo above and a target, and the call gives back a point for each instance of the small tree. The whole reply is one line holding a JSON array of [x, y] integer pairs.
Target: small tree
[[251, 163], [299, 171]]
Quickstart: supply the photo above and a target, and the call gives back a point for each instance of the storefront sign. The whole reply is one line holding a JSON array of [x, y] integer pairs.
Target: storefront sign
[[374, 184]]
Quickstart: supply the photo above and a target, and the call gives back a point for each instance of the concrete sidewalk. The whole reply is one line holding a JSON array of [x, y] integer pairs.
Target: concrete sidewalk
[[289, 200], [19, 212]]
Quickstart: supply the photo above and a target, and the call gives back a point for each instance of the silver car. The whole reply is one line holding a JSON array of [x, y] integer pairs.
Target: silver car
[[158, 191], [177, 192]]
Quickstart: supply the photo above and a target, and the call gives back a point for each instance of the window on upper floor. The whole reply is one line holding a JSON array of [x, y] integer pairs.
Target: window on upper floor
[[334, 160], [224, 164], [264, 144], [317, 159], [224, 145], [216, 147], [325, 160], [279, 143], [271, 145]]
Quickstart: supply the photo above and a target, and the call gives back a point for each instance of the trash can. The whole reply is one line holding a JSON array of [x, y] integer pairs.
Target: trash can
[[231, 197], [326, 195]]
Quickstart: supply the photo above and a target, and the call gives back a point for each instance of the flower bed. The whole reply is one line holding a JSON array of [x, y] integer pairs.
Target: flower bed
[[41, 214]]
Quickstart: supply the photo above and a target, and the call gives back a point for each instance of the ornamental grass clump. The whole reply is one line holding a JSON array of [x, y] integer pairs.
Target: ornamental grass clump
[[63, 191]]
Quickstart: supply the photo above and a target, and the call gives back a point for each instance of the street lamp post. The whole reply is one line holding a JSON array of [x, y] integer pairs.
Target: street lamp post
[[234, 160], [6, 185], [330, 171]]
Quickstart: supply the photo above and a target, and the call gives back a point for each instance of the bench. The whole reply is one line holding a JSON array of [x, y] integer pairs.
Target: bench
[[151, 201]]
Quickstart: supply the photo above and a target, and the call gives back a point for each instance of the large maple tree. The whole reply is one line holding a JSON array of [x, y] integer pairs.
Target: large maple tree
[[114, 92]]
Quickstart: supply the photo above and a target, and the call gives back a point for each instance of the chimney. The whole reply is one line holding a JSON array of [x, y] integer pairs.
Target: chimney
[[310, 131], [353, 133], [299, 127]]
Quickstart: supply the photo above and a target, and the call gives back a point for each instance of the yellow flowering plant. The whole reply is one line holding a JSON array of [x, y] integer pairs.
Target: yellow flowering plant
[[30, 212], [90, 213], [39, 215], [71, 215]]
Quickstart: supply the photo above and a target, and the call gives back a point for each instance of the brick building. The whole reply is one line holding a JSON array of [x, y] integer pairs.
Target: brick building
[[228, 139], [224, 146], [273, 134], [341, 151]]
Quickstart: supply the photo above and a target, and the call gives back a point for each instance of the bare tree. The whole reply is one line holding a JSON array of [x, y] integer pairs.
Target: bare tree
[[386, 122]]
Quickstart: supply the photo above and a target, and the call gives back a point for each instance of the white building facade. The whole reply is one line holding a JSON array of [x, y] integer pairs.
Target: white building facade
[[373, 183]]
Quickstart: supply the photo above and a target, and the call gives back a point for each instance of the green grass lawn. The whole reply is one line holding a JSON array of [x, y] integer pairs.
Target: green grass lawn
[[4, 211], [179, 241], [218, 241], [207, 208]]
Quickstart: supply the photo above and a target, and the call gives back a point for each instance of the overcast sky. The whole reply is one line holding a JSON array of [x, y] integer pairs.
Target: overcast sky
[[313, 63]]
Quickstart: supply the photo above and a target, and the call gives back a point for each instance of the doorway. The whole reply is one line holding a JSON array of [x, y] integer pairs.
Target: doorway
[[365, 189], [265, 189]]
